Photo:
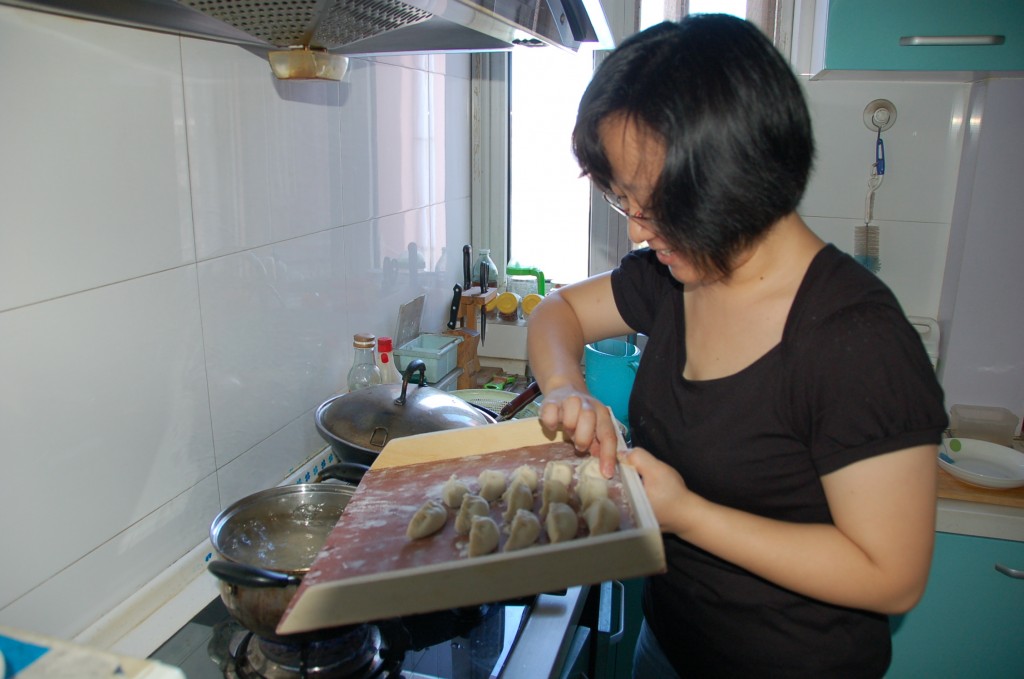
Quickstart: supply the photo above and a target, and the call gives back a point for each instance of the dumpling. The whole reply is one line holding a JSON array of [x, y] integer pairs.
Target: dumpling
[[591, 488], [453, 491], [427, 520], [602, 516], [472, 505], [562, 523], [524, 531], [527, 475], [483, 536], [519, 496], [589, 469], [492, 484], [559, 471], [554, 491]]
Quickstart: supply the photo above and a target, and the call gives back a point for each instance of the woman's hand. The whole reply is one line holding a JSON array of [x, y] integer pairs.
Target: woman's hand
[[561, 325], [585, 420], [665, 489]]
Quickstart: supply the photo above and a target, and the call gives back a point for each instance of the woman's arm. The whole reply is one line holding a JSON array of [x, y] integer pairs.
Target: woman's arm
[[875, 557], [561, 325]]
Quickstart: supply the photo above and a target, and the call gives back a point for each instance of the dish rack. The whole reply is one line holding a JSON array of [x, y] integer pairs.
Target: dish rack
[[494, 400]]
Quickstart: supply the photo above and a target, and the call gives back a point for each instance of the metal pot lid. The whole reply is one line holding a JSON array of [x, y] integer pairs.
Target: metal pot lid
[[370, 417]]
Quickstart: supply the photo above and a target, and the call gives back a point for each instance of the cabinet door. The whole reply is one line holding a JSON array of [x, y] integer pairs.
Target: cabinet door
[[619, 616], [866, 34], [970, 622]]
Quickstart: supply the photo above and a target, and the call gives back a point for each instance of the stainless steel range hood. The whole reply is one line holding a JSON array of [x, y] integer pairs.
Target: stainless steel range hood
[[355, 27]]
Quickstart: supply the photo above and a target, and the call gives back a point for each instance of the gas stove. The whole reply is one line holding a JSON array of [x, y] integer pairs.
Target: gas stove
[[465, 643]]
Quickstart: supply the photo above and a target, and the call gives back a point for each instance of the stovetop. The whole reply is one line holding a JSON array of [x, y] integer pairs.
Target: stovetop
[[466, 644]]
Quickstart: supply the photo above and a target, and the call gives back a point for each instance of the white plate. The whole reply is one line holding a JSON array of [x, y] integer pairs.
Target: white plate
[[981, 463]]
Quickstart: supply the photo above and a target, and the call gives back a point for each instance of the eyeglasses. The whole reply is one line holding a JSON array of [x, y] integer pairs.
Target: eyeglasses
[[615, 203]]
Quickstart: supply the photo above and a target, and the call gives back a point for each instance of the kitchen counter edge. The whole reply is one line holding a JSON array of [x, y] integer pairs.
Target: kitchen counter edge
[[980, 520]]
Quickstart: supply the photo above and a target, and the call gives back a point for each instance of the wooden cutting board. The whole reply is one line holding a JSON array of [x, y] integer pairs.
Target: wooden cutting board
[[369, 569], [953, 488]]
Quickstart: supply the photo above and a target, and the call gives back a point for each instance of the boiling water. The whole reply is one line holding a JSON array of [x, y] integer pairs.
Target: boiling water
[[285, 541]]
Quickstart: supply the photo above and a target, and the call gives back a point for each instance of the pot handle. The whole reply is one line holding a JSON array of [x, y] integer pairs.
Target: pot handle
[[250, 576], [349, 472], [414, 365], [513, 407]]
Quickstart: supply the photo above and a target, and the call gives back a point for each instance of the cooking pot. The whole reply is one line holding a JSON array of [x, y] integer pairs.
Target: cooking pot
[[360, 423], [266, 543]]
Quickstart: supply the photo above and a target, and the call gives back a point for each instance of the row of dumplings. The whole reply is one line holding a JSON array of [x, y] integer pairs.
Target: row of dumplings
[[516, 492]]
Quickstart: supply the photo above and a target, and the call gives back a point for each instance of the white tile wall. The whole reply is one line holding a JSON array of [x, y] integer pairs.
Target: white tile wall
[[94, 174], [914, 205], [265, 161], [186, 248]]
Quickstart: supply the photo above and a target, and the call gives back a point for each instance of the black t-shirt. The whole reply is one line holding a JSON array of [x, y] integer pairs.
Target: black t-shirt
[[849, 380]]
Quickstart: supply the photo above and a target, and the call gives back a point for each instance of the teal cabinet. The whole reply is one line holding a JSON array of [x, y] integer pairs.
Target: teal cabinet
[[901, 35], [970, 622], [617, 617]]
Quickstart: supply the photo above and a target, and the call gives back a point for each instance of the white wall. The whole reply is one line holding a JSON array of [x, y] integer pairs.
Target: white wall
[[914, 205], [186, 248], [949, 212]]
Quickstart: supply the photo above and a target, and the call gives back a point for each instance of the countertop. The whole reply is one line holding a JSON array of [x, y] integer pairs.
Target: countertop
[[969, 510]]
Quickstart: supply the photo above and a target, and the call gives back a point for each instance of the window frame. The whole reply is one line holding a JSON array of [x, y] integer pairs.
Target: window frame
[[489, 184], [490, 139]]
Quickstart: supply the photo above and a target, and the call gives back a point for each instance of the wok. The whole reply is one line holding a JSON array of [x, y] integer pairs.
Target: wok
[[359, 424]]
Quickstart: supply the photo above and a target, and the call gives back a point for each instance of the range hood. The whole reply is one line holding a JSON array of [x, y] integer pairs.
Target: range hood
[[355, 27]]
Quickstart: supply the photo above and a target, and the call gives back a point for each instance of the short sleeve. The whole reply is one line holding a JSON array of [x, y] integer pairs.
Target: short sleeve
[[868, 387], [640, 285]]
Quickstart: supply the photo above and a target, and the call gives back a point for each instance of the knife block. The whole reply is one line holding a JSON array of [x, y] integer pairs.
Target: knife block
[[470, 304], [466, 358]]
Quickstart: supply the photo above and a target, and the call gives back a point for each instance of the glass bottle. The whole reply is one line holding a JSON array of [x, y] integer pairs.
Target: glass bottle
[[386, 362], [364, 371], [492, 268]]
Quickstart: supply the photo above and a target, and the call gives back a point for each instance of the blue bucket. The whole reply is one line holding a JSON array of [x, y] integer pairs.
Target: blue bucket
[[610, 369]]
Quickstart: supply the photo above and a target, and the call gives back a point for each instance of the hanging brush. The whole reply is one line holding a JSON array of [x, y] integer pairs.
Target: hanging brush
[[866, 237]]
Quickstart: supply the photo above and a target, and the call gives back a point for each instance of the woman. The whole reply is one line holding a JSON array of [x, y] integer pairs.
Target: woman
[[785, 416]]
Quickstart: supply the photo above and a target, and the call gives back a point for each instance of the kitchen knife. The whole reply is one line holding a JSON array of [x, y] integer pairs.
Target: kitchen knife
[[467, 279], [456, 301], [483, 306]]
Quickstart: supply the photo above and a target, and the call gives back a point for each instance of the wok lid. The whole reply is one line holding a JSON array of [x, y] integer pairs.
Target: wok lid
[[370, 417]]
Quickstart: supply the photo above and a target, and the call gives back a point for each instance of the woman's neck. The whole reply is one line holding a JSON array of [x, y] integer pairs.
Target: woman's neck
[[778, 260]]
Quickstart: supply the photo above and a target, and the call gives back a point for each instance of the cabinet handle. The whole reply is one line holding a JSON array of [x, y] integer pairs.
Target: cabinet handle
[[950, 40], [604, 623], [1010, 572]]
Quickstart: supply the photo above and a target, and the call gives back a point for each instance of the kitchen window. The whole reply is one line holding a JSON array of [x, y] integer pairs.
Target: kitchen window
[[529, 203]]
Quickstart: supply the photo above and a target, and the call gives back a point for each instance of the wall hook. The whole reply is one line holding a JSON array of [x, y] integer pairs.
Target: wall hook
[[879, 115]]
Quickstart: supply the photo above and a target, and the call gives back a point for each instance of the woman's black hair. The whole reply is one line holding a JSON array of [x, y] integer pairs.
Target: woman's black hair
[[732, 118]]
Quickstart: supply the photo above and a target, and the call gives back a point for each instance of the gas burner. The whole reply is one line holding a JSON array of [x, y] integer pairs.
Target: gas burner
[[355, 655], [463, 642]]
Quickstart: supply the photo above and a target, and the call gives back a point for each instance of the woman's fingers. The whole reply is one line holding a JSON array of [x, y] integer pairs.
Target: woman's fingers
[[586, 422]]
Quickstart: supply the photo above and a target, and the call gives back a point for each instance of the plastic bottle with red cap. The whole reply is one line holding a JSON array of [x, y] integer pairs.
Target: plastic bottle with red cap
[[386, 362]]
